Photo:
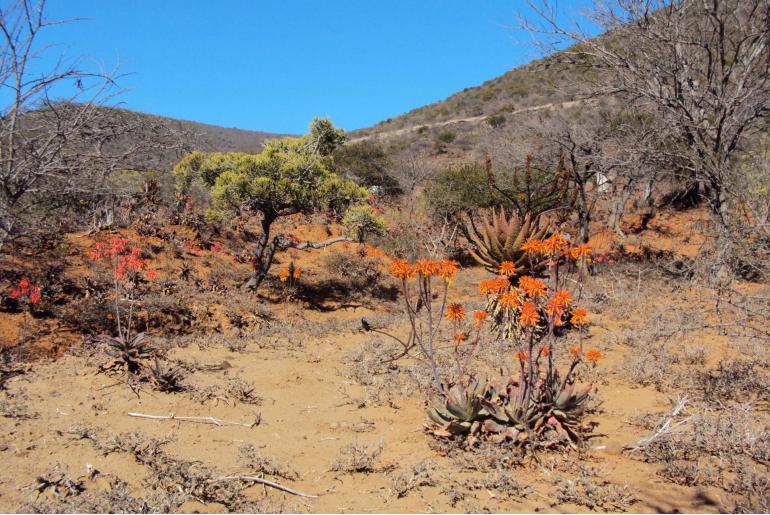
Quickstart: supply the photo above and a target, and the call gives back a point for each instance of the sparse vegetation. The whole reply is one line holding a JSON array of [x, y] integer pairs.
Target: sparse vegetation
[[166, 346]]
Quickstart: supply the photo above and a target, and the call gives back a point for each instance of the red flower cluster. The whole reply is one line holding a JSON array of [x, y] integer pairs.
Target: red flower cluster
[[124, 257], [28, 290]]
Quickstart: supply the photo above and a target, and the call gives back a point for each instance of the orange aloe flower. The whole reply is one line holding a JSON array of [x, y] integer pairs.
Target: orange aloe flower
[[522, 356], [531, 286], [497, 285], [593, 356], [533, 246], [580, 251], [480, 315], [507, 268], [284, 275], [579, 316], [400, 269], [447, 269], [455, 312], [556, 244], [562, 298], [574, 351], [297, 273], [546, 350], [426, 267], [510, 299], [529, 315], [459, 337]]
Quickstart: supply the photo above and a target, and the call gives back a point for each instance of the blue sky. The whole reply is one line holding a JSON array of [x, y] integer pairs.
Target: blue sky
[[273, 65]]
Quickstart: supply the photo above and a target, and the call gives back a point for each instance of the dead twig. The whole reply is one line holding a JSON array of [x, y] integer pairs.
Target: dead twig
[[262, 481], [664, 426], [199, 420]]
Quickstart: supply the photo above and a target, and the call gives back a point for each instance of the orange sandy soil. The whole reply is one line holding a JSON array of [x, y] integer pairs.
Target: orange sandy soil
[[309, 413]]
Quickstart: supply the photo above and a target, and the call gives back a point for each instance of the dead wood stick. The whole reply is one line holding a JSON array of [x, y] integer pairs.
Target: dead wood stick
[[200, 420], [664, 426], [261, 481]]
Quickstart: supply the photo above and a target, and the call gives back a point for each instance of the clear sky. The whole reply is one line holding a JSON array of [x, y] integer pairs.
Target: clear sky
[[273, 65]]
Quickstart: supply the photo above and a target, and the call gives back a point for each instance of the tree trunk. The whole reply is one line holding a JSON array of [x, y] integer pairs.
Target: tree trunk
[[263, 254]]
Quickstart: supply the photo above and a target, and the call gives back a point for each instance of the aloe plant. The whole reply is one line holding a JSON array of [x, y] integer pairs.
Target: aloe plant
[[461, 410], [166, 378], [499, 238], [127, 352], [509, 410]]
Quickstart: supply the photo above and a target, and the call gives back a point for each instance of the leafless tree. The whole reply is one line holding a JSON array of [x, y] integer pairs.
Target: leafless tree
[[58, 140], [702, 66]]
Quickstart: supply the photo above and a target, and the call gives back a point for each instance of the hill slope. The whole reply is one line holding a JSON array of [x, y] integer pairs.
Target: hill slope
[[483, 118]]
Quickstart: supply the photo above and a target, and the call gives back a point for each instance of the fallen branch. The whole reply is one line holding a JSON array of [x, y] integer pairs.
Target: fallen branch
[[199, 420], [664, 426], [261, 481]]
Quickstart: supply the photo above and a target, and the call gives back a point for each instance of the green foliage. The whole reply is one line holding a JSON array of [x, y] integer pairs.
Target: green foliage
[[369, 165], [291, 175], [443, 139], [359, 221], [324, 137], [496, 120], [459, 189]]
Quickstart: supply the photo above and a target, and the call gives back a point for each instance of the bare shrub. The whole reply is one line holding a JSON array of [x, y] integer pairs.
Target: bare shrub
[[734, 380], [243, 391], [251, 458], [419, 475], [592, 494], [357, 457]]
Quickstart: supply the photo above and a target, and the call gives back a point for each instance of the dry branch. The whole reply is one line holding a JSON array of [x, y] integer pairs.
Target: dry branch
[[199, 420], [262, 482], [665, 426]]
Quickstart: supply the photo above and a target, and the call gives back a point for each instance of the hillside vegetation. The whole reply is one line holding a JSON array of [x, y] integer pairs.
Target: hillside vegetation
[[546, 293]]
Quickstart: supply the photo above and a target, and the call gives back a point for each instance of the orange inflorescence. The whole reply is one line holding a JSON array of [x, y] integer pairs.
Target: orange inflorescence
[[510, 299], [562, 298], [529, 315], [522, 356], [579, 316], [297, 273], [580, 251], [593, 356], [533, 246], [459, 337], [507, 268], [480, 315], [546, 350], [575, 351], [556, 305], [427, 267], [447, 269], [401, 269], [531, 286], [455, 312], [496, 286], [284, 275], [556, 245]]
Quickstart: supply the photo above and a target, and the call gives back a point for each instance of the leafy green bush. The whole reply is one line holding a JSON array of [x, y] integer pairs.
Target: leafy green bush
[[459, 189], [367, 163], [360, 221]]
